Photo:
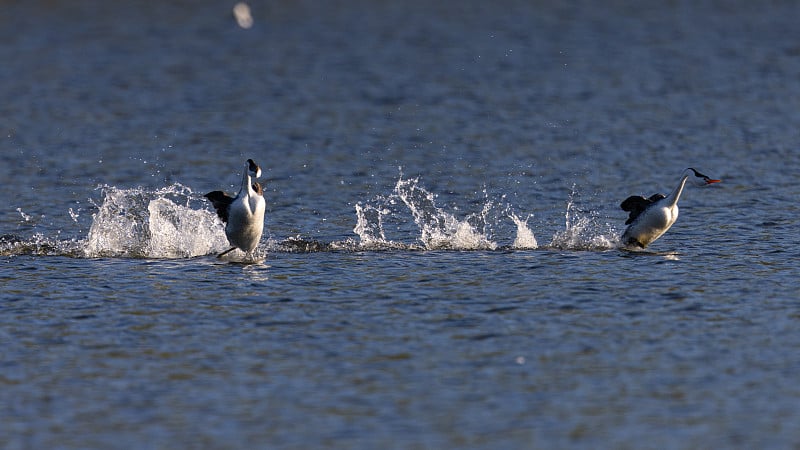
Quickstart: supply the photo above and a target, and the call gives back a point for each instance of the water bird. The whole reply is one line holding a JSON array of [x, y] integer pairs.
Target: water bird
[[243, 215], [651, 217]]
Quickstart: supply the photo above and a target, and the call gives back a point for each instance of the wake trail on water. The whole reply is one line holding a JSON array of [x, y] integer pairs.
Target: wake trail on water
[[174, 222]]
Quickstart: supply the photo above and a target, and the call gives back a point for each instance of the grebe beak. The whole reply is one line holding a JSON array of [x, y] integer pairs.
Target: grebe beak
[[705, 178]]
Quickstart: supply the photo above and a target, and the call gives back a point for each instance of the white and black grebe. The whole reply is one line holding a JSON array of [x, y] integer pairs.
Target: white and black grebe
[[243, 215], [651, 217]]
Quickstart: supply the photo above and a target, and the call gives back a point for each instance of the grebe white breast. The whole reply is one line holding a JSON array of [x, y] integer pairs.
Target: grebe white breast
[[651, 217], [243, 215]]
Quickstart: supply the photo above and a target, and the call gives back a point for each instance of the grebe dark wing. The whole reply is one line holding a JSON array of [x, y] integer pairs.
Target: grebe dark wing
[[221, 202], [636, 204]]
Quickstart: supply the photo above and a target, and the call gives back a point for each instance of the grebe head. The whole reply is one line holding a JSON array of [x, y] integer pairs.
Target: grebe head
[[253, 168], [702, 180]]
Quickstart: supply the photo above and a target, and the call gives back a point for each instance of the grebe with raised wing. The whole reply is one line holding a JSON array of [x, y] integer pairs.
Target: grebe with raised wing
[[243, 215], [651, 217]]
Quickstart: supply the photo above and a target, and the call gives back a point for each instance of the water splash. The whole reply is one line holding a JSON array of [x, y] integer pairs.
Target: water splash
[[153, 224], [582, 230], [74, 215], [524, 239], [440, 229], [25, 217], [369, 225]]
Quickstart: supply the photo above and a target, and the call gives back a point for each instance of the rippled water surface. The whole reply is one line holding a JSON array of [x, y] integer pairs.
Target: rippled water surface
[[440, 264]]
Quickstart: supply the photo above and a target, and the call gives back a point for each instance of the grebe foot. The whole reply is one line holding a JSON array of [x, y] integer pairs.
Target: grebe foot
[[226, 252]]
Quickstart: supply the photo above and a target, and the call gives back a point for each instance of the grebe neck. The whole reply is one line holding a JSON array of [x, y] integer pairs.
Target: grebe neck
[[675, 195]]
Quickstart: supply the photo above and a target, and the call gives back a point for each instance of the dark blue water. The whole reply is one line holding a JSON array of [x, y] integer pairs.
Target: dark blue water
[[440, 266]]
